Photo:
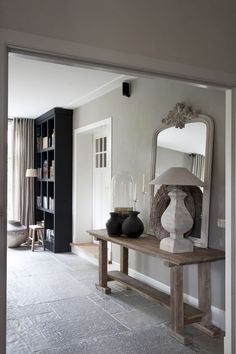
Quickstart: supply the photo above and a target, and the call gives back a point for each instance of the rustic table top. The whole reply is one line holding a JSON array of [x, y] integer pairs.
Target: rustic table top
[[150, 245]]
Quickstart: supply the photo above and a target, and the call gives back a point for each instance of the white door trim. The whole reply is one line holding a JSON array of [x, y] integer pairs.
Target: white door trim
[[93, 57], [230, 216], [3, 190], [83, 130], [89, 127]]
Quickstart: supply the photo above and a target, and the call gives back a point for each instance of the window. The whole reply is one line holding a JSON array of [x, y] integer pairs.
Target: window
[[101, 152]]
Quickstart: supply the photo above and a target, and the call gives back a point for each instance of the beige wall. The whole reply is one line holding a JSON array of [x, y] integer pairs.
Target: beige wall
[[199, 33], [134, 122], [82, 188]]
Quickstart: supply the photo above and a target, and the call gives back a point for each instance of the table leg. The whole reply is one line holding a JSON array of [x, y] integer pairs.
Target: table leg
[[124, 259], [42, 238], [102, 285], [204, 300], [33, 240], [177, 305], [29, 237]]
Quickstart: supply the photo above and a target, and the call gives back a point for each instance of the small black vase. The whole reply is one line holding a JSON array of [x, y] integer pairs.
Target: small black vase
[[113, 225], [132, 226], [122, 217]]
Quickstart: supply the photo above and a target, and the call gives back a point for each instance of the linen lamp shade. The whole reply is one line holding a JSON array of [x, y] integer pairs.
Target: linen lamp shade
[[177, 176]]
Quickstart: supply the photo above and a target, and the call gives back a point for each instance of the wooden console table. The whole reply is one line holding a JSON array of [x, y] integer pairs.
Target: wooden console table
[[181, 313]]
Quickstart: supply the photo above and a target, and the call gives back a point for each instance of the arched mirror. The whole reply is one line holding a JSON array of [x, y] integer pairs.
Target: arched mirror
[[184, 140]]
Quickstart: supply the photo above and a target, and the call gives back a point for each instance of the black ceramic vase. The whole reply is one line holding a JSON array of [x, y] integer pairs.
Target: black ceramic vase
[[132, 226], [122, 217], [113, 225]]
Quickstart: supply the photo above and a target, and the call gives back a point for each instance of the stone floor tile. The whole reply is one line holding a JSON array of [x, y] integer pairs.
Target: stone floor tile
[[152, 341], [54, 307], [46, 317], [85, 274], [132, 300], [92, 324], [25, 331], [51, 287], [107, 304], [17, 312], [70, 259], [121, 289], [209, 345], [73, 308], [18, 347], [143, 317], [193, 331]]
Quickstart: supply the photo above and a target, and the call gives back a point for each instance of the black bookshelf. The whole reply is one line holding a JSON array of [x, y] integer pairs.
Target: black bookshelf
[[53, 192]]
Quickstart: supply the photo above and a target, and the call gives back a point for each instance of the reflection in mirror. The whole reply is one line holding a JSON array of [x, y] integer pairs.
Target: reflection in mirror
[[182, 148], [190, 147]]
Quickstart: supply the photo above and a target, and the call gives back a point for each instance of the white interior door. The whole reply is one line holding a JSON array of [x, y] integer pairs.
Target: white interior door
[[101, 176]]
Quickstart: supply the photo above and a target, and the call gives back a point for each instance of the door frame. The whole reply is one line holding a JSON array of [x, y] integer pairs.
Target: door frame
[[68, 52], [89, 128], [108, 172]]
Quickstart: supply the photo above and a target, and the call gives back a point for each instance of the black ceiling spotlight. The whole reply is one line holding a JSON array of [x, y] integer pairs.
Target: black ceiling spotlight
[[126, 88]]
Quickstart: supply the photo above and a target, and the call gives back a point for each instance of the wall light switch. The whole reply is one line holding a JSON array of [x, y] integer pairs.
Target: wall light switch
[[221, 223]]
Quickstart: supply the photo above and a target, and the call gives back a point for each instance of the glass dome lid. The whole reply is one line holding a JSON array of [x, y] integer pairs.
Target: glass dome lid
[[122, 192]]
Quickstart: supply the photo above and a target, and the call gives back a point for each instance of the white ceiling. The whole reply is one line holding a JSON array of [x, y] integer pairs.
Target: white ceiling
[[191, 139], [37, 86]]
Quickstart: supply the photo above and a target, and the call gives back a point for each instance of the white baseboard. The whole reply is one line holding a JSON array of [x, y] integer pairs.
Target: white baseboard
[[218, 315]]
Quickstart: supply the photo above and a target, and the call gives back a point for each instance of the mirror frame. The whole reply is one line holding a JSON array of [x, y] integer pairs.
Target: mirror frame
[[202, 118]]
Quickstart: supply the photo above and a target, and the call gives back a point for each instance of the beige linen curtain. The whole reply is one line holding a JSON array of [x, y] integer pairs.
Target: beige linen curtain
[[198, 165], [23, 158]]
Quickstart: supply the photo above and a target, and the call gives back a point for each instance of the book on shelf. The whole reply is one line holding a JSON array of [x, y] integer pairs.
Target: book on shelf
[[50, 235], [45, 169], [45, 202], [39, 143], [39, 201], [53, 139], [51, 203], [39, 172], [51, 170], [45, 142]]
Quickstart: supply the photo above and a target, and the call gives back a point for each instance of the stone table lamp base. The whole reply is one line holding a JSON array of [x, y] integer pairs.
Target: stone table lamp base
[[177, 221]]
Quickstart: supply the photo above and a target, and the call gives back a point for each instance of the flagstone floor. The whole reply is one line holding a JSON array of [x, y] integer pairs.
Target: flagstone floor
[[53, 307]]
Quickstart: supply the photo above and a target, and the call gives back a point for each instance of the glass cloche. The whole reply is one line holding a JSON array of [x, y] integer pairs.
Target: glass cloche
[[122, 192]]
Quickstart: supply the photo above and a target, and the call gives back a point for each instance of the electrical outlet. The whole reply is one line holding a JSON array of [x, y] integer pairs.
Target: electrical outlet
[[221, 223]]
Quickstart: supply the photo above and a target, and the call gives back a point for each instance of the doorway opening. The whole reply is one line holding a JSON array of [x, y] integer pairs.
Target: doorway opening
[[138, 141], [92, 182]]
